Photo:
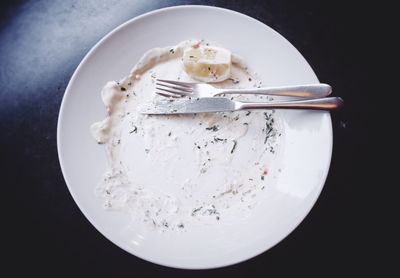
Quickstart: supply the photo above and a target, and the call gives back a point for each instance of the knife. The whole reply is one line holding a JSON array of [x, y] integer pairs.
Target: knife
[[221, 104]]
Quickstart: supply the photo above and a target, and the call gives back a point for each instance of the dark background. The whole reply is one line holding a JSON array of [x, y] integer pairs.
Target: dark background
[[41, 44]]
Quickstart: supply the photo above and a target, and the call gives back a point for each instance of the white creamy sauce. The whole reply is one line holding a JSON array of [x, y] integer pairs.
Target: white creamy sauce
[[177, 171]]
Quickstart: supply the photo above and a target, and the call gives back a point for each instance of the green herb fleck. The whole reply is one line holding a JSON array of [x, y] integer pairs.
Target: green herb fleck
[[270, 130], [234, 146], [196, 210], [134, 130], [165, 223], [213, 128]]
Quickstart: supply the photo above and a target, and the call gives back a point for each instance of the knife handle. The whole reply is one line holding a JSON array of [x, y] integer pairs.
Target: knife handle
[[307, 91], [330, 103]]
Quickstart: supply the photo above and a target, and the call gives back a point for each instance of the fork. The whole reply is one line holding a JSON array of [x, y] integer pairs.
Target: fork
[[176, 89]]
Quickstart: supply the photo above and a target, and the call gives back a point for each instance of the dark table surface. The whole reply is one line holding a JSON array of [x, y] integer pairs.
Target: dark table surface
[[41, 44]]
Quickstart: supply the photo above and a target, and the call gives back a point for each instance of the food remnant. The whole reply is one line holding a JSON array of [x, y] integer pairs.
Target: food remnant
[[171, 173], [207, 63]]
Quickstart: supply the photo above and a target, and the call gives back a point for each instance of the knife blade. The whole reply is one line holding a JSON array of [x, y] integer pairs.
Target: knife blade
[[221, 104], [188, 106]]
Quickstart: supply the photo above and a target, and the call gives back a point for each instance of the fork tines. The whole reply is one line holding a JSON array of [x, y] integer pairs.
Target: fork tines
[[170, 88]]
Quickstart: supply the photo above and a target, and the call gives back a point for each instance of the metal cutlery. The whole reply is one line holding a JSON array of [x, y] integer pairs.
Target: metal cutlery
[[176, 89], [221, 104]]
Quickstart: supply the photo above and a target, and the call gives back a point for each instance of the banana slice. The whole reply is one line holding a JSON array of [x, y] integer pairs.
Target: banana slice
[[207, 63]]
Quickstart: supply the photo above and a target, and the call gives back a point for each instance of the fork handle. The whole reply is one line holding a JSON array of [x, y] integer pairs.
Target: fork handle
[[330, 103], [307, 91]]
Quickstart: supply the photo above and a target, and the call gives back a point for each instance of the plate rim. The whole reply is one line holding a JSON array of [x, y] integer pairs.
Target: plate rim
[[68, 92]]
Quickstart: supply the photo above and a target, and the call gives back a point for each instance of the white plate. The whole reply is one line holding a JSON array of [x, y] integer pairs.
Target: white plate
[[304, 159]]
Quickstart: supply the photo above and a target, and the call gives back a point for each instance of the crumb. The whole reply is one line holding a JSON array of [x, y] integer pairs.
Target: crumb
[[264, 172], [196, 45]]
